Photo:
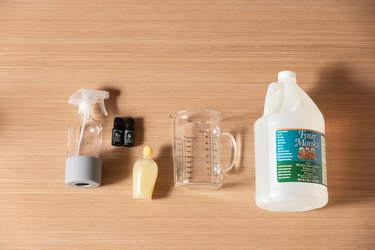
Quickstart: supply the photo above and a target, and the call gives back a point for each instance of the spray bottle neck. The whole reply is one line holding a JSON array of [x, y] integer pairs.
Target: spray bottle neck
[[85, 116], [85, 109]]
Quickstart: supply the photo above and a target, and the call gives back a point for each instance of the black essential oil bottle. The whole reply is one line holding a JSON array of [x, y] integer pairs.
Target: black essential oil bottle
[[129, 132], [118, 132]]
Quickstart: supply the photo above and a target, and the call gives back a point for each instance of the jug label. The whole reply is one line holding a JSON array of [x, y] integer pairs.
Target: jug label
[[300, 156]]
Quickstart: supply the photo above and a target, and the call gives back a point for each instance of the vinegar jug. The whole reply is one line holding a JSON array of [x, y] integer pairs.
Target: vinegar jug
[[290, 160]]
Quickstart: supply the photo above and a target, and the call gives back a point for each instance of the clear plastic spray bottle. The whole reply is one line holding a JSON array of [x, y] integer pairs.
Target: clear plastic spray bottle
[[83, 163]]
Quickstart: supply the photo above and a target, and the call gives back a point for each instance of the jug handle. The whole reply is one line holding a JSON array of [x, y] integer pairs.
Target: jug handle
[[233, 146], [271, 98]]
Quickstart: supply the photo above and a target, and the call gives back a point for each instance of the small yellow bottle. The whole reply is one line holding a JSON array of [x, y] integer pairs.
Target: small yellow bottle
[[145, 172]]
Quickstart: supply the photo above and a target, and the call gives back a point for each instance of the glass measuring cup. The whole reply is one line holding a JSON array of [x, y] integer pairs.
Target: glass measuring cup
[[197, 149]]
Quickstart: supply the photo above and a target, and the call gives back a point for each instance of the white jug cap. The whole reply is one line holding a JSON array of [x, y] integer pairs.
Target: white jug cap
[[286, 73]]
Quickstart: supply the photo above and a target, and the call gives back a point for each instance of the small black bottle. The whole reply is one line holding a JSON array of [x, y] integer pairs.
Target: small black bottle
[[129, 132], [118, 132]]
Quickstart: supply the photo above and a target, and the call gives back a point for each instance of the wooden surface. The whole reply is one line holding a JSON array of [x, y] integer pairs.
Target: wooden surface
[[159, 57]]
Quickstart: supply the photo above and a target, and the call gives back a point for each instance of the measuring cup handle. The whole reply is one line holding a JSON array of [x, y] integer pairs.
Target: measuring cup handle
[[233, 147]]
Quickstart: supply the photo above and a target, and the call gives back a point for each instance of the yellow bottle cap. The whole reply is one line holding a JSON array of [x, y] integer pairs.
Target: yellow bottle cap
[[147, 151]]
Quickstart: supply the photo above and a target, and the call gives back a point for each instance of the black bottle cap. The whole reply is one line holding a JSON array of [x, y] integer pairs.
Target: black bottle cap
[[129, 123], [118, 123]]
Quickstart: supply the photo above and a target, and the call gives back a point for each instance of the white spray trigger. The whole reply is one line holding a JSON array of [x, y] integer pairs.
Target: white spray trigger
[[88, 97], [102, 107]]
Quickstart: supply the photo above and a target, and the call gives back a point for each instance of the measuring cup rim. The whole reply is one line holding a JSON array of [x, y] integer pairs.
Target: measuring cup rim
[[218, 115]]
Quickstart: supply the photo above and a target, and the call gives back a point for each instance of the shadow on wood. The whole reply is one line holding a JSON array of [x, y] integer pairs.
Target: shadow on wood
[[348, 107], [138, 131], [164, 182], [116, 169]]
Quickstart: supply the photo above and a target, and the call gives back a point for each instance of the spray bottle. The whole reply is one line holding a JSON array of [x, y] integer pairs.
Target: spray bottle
[[83, 163], [290, 159]]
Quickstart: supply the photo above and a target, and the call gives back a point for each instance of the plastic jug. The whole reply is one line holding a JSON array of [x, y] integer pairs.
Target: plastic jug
[[290, 160]]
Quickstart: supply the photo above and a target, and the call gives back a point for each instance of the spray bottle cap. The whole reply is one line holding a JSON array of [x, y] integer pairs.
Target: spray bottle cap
[[86, 98]]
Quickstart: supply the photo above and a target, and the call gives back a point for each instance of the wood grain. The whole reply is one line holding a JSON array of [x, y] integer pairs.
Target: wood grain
[[159, 57]]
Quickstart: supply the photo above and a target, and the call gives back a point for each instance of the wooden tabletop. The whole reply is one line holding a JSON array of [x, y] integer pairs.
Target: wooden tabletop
[[159, 57]]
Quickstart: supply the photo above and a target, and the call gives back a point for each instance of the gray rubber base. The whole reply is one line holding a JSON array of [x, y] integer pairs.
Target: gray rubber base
[[83, 171]]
